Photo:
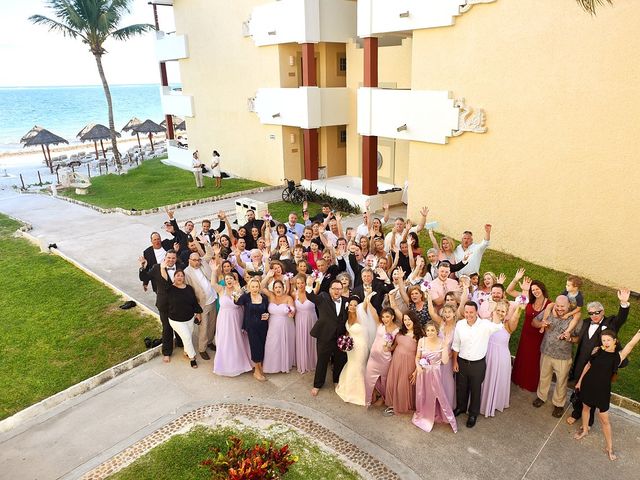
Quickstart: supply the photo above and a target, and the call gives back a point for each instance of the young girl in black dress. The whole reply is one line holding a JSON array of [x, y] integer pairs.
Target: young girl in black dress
[[594, 384]]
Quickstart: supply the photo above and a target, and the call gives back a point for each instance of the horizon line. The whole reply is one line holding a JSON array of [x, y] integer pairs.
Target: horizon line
[[81, 85]]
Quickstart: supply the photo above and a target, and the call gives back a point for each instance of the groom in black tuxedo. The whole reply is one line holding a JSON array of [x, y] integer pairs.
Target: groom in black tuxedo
[[332, 316]]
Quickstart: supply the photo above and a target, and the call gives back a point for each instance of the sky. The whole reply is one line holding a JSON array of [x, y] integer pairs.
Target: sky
[[66, 61]]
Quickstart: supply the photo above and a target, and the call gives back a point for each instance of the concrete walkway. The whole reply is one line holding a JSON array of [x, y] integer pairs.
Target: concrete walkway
[[77, 435]]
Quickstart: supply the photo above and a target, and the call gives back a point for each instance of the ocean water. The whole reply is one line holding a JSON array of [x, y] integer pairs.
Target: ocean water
[[66, 110]]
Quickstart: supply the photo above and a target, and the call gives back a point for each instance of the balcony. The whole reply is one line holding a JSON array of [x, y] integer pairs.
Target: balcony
[[178, 156], [418, 115], [171, 47], [302, 21], [176, 103], [304, 107], [384, 16]]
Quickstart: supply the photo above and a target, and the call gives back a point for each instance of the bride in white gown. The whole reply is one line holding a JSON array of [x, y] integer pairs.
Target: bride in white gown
[[361, 326]]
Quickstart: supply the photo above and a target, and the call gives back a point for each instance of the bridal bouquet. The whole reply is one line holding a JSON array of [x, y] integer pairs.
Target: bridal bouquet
[[388, 340], [424, 362], [345, 343], [522, 300]]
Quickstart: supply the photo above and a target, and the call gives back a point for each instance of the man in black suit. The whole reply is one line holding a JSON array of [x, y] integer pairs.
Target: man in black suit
[[589, 338], [151, 256], [332, 316], [162, 299], [328, 273]]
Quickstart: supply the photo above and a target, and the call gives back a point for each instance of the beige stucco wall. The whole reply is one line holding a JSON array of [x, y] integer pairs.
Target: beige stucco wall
[[328, 75], [557, 173], [222, 71]]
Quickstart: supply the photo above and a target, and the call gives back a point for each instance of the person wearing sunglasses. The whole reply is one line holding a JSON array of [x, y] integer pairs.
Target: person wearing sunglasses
[[588, 338]]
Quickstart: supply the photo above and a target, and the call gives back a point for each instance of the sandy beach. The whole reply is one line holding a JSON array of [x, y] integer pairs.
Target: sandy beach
[[30, 161]]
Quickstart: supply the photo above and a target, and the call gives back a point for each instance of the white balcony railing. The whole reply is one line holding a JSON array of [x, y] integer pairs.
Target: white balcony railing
[[302, 21], [179, 156], [176, 103], [384, 16], [304, 107], [419, 115], [171, 47]]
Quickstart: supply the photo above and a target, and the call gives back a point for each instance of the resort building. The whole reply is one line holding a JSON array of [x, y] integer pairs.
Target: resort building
[[518, 114]]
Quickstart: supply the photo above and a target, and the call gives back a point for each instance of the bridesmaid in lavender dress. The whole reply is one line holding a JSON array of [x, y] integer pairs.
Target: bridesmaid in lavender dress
[[432, 404], [232, 356], [496, 388], [306, 349], [280, 346], [380, 357]]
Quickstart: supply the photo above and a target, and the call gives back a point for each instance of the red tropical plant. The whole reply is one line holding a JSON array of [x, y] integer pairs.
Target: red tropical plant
[[261, 461]]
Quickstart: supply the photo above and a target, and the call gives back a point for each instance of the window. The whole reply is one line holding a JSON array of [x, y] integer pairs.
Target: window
[[342, 64], [342, 136]]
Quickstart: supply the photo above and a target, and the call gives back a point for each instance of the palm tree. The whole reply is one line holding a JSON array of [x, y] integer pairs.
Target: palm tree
[[590, 5], [93, 21]]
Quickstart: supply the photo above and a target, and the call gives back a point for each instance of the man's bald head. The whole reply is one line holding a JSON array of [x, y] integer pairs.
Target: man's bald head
[[562, 305]]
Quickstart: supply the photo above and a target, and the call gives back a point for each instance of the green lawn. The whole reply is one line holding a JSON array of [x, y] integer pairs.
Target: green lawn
[[180, 457], [59, 326], [280, 210], [628, 383], [154, 184]]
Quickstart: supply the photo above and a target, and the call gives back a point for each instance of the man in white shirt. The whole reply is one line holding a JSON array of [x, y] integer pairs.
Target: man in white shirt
[[293, 227], [476, 249], [198, 275], [395, 236], [242, 252], [469, 348], [363, 229]]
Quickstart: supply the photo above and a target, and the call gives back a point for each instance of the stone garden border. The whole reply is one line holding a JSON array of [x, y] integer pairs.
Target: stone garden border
[[365, 464]]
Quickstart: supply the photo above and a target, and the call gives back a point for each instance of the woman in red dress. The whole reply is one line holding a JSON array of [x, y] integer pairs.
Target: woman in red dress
[[526, 366]]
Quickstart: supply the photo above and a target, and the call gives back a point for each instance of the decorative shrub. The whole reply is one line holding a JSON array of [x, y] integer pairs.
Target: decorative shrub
[[262, 461], [340, 204]]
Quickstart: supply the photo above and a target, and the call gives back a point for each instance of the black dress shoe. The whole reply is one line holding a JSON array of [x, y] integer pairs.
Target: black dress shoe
[[471, 421], [211, 346], [205, 356], [457, 412]]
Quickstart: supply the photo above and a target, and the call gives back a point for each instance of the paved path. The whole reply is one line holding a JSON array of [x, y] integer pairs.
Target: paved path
[[75, 436]]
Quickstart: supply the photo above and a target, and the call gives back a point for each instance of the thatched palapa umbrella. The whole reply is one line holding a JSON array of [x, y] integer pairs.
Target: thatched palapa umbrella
[[150, 127], [178, 123], [94, 132], [44, 138], [130, 124]]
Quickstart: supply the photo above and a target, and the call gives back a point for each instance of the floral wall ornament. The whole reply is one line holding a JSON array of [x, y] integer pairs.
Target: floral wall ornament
[[470, 3], [469, 119]]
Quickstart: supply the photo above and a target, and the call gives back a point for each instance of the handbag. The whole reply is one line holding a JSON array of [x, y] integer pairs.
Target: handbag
[[204, 169]]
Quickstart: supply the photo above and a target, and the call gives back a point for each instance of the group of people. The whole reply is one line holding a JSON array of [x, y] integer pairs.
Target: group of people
[[404, 327], [199, 169]]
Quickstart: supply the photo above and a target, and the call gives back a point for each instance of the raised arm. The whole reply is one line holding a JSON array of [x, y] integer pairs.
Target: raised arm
[[412, 260], [214, 279], [512, 323], [511, 288], [434, 242], [624, 353], [432, 311], [385, 218], [424, 211], [393, 304]]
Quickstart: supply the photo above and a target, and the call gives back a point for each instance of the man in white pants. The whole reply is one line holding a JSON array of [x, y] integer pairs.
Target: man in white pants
[[198, 275]]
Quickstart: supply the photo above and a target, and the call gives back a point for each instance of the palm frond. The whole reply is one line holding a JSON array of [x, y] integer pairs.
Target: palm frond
[[591, 5], [125, 33], [54, 25]]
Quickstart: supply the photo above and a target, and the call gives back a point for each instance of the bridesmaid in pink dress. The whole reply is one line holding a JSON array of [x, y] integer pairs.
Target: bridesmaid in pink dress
[[496, 388], [432, 404], [232, 355], [446, 322], [380, 357], [400, 392], [306, 351], [280, 346]]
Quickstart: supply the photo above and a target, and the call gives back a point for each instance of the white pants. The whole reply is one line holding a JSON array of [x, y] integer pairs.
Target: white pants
[[185, 331]]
